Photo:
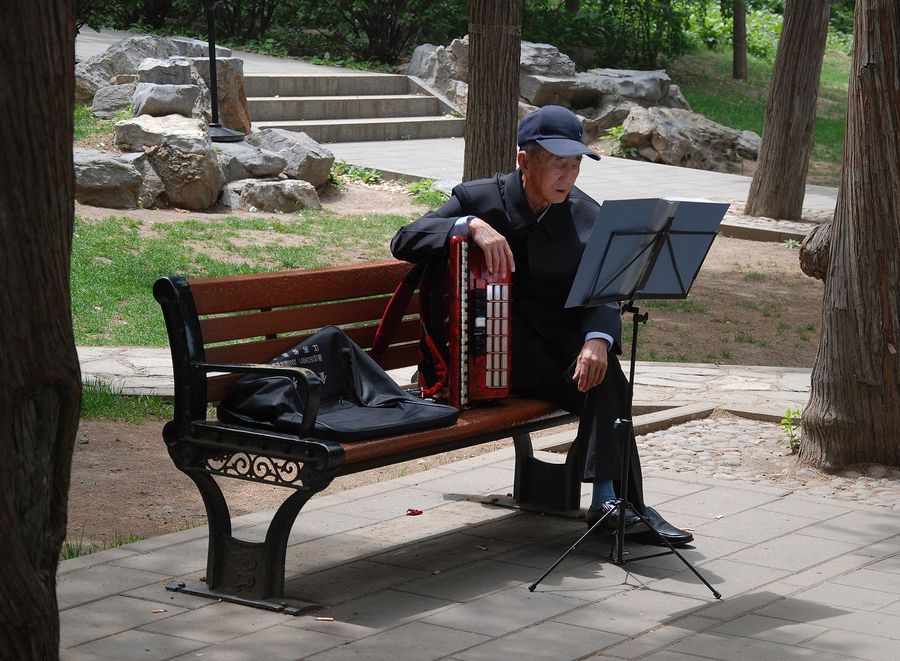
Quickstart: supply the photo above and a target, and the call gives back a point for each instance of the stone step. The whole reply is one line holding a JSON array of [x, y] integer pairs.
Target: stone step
[[376, 128], [287, 108], [352, 84]]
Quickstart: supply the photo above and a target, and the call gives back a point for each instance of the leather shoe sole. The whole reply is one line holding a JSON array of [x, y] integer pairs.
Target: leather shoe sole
[[633, 524], [673, 535]]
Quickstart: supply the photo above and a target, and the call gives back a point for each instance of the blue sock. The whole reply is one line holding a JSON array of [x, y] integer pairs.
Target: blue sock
[[603, 491]]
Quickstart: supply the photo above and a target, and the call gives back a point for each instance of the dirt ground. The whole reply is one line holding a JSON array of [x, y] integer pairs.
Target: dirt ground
[[750, 305]]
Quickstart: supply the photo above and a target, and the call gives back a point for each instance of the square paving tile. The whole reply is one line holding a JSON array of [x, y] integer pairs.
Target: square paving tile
[[85, 585], [136, 644], [170, 560], [632, 612], [277, 643], [381, 610], [718, 501], [472, 581], [109, 616], [828, 569], [486, 479], [217, 622], [801, 610], [535, 643], [390, 504], [771, 629], [502, 612], [444, 551], [348, 581], [848, 596], [861, 528], [738, 648], [872, 580], [755, 525], [646, 643], [416, 641], [728, 577], [792, 552], [856, 645]]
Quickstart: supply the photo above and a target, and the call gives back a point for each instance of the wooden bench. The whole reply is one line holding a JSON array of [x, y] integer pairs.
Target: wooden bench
[[220, 328]]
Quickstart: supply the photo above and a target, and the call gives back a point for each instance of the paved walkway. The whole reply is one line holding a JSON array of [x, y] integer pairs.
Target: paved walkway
[[809, 565]]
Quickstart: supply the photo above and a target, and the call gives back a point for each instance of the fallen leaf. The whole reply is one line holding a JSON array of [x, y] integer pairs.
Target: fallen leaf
[[413, 512]]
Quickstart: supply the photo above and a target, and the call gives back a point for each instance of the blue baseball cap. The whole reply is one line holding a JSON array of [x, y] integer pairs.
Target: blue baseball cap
[[557, 130]]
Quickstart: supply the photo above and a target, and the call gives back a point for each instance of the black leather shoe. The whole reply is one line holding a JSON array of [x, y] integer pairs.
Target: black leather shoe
[[633, 524], [673, 535]]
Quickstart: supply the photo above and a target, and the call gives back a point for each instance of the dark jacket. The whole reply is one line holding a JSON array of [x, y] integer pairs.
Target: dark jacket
[[546, 253]]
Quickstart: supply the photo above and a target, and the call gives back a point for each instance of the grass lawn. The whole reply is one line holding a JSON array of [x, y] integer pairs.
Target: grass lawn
[[705, 79]]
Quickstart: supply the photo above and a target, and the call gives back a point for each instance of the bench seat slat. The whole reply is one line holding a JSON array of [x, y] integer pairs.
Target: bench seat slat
[[285, 288], [473, 425]]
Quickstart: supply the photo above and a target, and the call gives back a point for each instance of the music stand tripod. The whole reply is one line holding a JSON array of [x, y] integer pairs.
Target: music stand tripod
[[650, 269]]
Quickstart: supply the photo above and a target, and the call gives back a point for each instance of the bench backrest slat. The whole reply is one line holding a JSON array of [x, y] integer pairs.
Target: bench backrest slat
[[285, 288]]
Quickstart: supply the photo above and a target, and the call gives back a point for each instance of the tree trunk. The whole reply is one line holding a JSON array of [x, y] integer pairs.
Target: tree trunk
[[779, 184], [40, 384], [495, 29], [739, 41], [853, 414]]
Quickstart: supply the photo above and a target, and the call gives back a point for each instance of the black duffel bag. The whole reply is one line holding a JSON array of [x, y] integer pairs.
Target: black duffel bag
[[358, 399]]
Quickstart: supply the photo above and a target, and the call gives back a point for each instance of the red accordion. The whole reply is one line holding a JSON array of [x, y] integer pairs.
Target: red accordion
[[480, 320]]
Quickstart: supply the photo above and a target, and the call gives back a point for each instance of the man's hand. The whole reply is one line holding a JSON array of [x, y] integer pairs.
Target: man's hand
[[591, 364], [497, 252]]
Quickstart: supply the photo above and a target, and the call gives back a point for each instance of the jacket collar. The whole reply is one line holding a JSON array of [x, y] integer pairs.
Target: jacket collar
[[521, 217]]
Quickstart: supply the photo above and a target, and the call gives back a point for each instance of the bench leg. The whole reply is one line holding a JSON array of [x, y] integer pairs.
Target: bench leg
[[239, 571], [544, 486]]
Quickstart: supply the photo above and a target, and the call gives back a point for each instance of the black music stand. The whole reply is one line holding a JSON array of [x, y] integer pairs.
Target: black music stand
[[650, 248]]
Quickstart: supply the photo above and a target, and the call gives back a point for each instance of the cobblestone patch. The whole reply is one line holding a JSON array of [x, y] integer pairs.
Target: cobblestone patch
[[729, 448]]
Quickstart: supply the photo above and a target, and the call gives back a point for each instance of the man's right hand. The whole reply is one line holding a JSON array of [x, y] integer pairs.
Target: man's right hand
[[497, 252]]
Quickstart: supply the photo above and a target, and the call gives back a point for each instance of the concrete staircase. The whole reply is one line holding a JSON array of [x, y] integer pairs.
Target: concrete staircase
[[350, 107]]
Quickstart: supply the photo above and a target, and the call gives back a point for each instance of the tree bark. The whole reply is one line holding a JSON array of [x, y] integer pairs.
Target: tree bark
[[779, 183], [739, 41], [495, 29], [40, 383], [854, 408]]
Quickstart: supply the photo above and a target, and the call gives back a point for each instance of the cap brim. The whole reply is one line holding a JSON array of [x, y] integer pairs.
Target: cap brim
[[563, 147]]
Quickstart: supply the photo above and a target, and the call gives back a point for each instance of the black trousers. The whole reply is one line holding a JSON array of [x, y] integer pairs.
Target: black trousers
[[547, 374]]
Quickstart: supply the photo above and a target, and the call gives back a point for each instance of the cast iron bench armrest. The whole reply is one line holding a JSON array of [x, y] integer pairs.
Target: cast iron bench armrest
[[307, 380]]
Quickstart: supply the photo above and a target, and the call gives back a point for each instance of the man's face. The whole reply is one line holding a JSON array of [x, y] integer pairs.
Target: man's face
[[548, 179]]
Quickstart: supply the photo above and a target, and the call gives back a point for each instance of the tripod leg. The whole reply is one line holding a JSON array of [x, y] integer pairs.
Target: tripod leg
[[599, 522]]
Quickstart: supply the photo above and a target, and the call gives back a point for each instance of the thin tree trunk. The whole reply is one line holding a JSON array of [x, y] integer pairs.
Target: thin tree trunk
[[853, 414], [40, 384], [495, 29], [739, 41], [779, 184]]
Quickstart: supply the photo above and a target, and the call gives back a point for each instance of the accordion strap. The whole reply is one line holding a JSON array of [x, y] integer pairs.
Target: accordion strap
[[430, 355]]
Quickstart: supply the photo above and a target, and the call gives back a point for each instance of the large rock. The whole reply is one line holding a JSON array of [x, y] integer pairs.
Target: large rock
[[287, 196], [192, 179], [123, 56], [152, 189], [103, 180], [305, 158], [680, 137], [189, 47], [241, 160], [161, 100], [545, 60], [445, 70], [234, 111], [109, 101], [185, 133], [170, 71]]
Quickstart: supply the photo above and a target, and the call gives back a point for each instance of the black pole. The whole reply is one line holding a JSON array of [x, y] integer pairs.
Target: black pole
[[217, 132]]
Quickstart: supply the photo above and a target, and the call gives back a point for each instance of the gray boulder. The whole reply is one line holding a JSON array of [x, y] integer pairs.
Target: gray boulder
[[152, 189], [184, 133], [161, 100], [169, 71], [545, 60], [679, 137], [103, 180], [122, 57], [109, 101], [444, 70], [305, 158], [189, 47], [286, 196], [241, 160], [192, 179]]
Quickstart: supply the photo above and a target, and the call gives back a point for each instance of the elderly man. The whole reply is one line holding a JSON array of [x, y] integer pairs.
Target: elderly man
[[535, 223]]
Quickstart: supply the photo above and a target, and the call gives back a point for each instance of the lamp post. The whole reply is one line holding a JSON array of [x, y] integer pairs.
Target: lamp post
[[217, 132]]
